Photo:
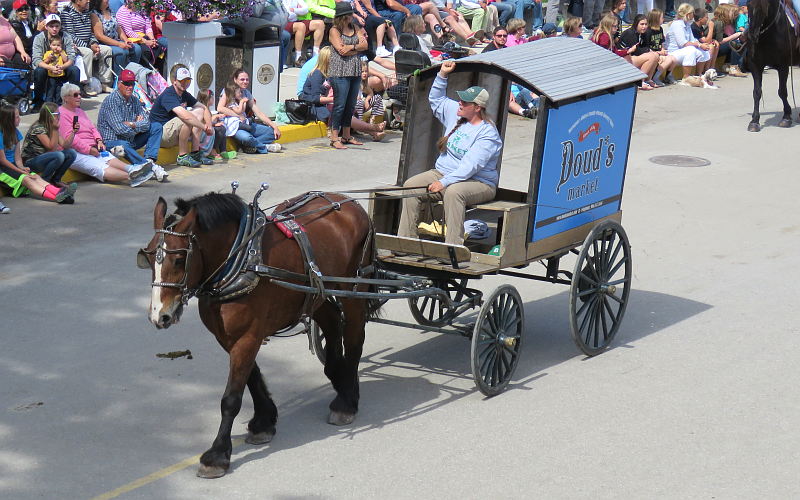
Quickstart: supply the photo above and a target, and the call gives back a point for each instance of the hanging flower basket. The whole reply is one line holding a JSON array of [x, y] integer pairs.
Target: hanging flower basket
[[191, 10]]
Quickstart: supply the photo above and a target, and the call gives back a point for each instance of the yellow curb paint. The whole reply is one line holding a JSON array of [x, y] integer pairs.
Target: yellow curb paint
[[155, 476]]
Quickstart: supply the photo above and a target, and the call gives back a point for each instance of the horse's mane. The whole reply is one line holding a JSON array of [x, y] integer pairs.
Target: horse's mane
[[212, 209]]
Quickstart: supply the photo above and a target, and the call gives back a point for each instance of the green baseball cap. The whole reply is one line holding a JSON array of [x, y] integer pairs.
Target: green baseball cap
[[475, 94]]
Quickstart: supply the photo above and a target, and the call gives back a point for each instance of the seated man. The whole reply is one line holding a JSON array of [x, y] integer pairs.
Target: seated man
[[76, 20], [123, 122], [172, 122], [466, 170], [41, 44]]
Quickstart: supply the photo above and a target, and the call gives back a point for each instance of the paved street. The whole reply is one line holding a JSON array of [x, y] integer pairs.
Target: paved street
[[698, 397]]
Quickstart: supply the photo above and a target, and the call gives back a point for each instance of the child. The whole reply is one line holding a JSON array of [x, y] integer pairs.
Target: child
[[13, 171], [44, 151], [742, 22], [215, 147], [516, 32], [55, 57]]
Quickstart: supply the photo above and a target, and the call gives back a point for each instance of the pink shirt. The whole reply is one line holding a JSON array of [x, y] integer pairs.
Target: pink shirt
[[513, 40], [132, 23], [7, 35], [86, 137]]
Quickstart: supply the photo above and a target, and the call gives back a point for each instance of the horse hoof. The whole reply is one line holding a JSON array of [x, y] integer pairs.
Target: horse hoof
[[754, 127], [211, 471], [785, 123], [340, 418], [259, 437]]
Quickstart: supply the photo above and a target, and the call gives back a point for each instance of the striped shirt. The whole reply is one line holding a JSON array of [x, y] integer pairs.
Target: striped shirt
[[79, 25], [114, 111], [134, 24]]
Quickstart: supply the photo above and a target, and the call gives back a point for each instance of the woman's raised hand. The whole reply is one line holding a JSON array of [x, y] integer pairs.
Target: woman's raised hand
[[447, 67]]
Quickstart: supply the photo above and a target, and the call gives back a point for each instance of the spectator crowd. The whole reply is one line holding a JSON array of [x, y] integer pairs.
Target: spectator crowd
[[345, 50]]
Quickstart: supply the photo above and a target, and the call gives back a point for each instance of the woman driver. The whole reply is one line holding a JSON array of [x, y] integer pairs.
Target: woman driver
[[466, 171]]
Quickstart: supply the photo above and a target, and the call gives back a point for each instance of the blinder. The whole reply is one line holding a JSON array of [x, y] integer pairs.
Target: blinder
[[160, 252]]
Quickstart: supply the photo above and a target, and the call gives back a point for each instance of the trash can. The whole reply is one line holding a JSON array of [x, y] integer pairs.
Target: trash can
[[254, 46]]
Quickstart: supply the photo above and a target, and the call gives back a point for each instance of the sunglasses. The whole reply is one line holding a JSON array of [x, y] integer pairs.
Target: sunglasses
[[76, 95], [127, 84], [24, 8], [502, 36]]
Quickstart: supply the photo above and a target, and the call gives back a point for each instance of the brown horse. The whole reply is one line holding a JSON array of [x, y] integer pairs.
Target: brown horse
[[191, 244]]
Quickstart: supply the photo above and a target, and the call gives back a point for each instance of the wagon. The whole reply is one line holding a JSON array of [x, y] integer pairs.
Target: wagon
[[572, 206]]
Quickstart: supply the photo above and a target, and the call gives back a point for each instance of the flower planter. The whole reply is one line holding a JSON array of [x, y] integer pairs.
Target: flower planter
[[193, 44]]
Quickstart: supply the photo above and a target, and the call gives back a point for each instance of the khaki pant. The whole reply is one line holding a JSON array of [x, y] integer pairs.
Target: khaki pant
[[456, 198], [171, 132], [103, 59]]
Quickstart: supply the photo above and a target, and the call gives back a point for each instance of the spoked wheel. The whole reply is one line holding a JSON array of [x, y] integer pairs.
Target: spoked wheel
[[600, 287], [497, 339], [432, 311], [318, 341]]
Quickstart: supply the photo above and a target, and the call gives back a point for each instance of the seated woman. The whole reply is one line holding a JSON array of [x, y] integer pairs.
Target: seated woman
[[108, 32], [416, 26], [604, 36], [572, 27], [654, 38], [725, 33], [681, 43], [12, 49], [44, 151], [255, 138], [316, 89], [641, 57], [466, 170]]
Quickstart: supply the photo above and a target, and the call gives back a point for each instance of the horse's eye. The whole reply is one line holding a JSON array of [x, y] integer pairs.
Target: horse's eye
[[180, 261]]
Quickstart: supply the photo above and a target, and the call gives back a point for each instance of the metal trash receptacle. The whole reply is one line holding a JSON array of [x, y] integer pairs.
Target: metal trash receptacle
[[255, 47]]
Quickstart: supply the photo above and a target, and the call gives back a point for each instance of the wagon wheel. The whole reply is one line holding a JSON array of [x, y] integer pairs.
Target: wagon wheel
[[430, 310], [318, 341], [600, 286], [497, 339]]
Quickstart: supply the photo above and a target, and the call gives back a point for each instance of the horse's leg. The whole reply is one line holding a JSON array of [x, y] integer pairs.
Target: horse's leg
[[261, 428], [783, 93], [344, 374], [757, 73], [217, 459]]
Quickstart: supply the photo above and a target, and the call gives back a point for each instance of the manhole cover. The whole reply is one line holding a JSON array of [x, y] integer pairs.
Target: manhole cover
[[680, 161]]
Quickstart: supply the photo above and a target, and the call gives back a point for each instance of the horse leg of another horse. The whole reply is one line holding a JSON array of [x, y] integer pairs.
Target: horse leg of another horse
[[217, 459], [344, 375], [758, 74], [783, 93], [261, 427]]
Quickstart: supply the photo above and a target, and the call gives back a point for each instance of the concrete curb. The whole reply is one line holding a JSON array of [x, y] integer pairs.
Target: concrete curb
[[167, 156]]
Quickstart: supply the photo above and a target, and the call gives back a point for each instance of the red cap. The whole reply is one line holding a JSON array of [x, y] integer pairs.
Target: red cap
[[126, 75], [19, 3]]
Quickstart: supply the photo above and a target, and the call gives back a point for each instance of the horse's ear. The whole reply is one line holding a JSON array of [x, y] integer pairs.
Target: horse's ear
[[159, 213]]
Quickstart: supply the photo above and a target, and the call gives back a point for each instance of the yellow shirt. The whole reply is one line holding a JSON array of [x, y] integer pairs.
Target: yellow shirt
[[60, 60]]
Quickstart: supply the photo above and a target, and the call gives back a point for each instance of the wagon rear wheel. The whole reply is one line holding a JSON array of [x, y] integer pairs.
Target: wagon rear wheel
[[497, 339], [600, 287]]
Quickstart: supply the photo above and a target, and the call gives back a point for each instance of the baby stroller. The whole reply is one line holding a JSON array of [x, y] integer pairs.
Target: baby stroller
[[15, 85]]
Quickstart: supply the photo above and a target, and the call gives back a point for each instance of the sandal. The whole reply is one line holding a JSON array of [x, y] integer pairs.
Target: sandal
[[352, 140], [338, 144], [378, 136]]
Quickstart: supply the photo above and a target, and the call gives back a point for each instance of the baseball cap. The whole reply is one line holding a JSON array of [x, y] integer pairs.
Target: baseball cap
[[183, 74], [475, 94], [19, 3], [549, 28], [127, 76], [51, 18], [742, 3]]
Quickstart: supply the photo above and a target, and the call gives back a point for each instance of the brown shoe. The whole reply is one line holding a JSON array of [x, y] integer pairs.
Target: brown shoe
[[735, 71]]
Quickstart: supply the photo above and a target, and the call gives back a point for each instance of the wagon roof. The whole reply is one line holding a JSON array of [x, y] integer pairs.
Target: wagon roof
[[558, 67]]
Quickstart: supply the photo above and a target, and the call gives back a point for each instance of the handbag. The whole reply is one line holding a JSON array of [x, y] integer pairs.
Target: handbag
[[300, 112]]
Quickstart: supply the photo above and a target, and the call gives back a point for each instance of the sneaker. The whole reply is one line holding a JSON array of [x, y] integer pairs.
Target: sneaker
[[735, 71], [229, 155], [249, 150], [299, 62], [205, 160], [140, 173], [274, 147], [67, 193], [4, 209], [396, 48], [160, 173], [69, 200], [382, 52], [531, 113], [187, 161], [87, 93]]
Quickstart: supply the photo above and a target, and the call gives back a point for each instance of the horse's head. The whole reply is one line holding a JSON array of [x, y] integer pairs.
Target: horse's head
[[175, 261]]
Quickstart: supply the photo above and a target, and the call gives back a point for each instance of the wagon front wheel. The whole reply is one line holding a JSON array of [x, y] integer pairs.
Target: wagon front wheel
[[601, 283], [497, 339]]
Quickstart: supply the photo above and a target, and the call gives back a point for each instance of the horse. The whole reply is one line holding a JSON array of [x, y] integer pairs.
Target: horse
[[192, 244], [771, 41]]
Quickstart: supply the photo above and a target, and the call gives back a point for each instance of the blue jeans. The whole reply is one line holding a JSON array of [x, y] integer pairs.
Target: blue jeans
[[397, 18], [345, 94], [40, 80], [153, 140], [505, 9], [286, 40], [119, 58], [52, 165], [259, 138], [139, 141]]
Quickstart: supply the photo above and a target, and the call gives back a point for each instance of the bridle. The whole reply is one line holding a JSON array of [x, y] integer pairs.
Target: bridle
[[161, 251]]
